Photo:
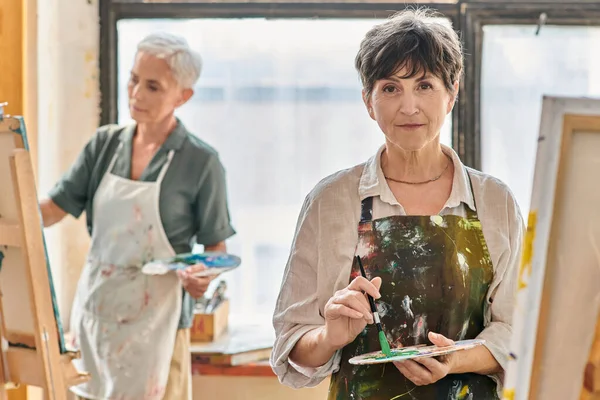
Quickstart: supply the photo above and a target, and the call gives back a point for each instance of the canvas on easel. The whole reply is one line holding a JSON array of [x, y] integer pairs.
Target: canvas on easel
[[558, 297], [34, 352]]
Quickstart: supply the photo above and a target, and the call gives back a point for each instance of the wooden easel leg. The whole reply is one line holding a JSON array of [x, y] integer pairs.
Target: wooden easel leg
[[591, 379]]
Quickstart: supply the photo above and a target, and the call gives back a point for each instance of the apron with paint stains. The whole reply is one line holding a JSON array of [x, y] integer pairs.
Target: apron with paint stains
[[436, 271], [125, 322]]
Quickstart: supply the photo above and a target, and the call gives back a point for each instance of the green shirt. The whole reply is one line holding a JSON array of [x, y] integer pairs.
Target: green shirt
[[193, 197]]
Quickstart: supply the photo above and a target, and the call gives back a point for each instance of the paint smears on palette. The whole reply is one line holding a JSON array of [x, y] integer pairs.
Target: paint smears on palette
[[216, 263], [407, 353]]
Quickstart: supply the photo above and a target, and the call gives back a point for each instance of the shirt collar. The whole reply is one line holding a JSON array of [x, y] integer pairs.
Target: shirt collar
[[372, 182], [174, 140]]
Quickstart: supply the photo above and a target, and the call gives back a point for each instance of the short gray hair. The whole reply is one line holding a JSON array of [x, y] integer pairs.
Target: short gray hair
[[419, 40], [184, 62]]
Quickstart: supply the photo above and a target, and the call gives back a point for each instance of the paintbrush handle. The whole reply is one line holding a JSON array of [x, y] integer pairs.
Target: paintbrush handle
[[362, 272], [372, 303], [371, 300], [385, 346], [377, 320]]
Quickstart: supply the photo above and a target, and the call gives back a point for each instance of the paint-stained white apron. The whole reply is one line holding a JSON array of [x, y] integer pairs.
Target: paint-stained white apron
[[125, 322]]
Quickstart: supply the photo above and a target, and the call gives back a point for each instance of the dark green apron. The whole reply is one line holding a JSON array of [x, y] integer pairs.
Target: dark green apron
[[436, 271]]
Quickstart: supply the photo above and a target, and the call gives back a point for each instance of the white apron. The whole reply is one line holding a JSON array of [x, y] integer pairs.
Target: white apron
[[125, 322]]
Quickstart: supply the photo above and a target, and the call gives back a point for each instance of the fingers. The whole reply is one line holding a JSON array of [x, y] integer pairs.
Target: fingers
[[194, 269], [376, 282], [196, 286], [436, 368], [196, 290], [440, 340], [334, 311], [355, 301], [352, 300], [415, 372], [361, 284]]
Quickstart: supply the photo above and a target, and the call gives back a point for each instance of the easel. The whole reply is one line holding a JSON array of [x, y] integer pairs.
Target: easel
[[36, 354], [554, 353], [591, 381]]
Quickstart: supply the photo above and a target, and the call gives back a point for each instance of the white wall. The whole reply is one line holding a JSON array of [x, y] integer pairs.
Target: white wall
[[68, 103]]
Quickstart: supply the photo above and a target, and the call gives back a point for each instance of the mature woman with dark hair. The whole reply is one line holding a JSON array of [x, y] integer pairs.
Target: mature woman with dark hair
[[440, 241]]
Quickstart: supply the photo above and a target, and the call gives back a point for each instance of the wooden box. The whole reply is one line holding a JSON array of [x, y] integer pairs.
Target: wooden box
[[209, 327]]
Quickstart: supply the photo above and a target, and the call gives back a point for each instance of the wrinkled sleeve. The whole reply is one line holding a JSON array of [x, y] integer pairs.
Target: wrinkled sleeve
[[499, 314], [71, 192], [297, 309], [211, 207]]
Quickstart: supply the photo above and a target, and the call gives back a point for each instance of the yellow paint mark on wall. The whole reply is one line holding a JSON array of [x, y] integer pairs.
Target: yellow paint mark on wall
[[89, 57], [527, 250]]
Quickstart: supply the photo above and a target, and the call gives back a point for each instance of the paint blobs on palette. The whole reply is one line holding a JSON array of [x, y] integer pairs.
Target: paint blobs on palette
[[395, 353], [215, 263], [407, 353]]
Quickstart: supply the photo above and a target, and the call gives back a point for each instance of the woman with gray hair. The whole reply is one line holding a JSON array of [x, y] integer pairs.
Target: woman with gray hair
[[149, 190], [439, 241]]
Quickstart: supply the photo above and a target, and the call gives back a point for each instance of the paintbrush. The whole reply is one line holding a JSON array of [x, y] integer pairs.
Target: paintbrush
[[385, 346]]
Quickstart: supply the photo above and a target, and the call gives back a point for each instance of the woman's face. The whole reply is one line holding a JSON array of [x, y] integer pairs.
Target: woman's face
[[153, 91], [410, 111]]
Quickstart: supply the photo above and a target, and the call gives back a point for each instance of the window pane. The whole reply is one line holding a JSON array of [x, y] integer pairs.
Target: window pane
[[281, 102], [518, 68]]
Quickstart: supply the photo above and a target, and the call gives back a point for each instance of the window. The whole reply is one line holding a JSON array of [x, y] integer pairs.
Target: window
[[281, 103], [518, 69]]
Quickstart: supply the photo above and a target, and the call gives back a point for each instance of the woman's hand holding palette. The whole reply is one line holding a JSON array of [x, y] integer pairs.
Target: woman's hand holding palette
[[407, 353]]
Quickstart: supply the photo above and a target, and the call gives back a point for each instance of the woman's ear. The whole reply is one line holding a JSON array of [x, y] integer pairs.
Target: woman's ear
[[367, 100], [453, 97], [186, 94]]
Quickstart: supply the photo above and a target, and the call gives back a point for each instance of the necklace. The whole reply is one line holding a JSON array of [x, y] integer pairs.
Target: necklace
[[422, 182]]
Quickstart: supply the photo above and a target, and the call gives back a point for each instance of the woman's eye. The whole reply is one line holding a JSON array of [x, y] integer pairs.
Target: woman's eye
[[389, 89]]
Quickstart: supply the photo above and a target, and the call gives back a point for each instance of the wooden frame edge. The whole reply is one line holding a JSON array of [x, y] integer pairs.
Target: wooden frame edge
[[571, 124]]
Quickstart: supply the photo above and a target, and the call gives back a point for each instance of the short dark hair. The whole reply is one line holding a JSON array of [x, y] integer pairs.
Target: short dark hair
[[414, 39]]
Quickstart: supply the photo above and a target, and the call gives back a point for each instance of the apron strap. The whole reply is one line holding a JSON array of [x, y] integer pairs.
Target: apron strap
[[165, 167], [114, 158], [472, 214], [366, 210]]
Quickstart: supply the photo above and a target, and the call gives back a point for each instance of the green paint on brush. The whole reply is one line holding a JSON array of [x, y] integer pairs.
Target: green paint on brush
[[385, 346]]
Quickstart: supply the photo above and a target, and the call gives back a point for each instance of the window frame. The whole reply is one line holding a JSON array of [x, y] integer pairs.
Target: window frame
[[111, 11], [467, 16], [474, 16]]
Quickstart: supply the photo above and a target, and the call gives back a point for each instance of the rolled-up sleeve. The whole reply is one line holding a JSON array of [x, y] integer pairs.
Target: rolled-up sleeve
[[71, 192], [297, 309], [211, 207], [502, 296]]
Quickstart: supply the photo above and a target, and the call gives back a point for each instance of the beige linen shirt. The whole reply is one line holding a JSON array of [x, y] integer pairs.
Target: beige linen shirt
[[325, 242]]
